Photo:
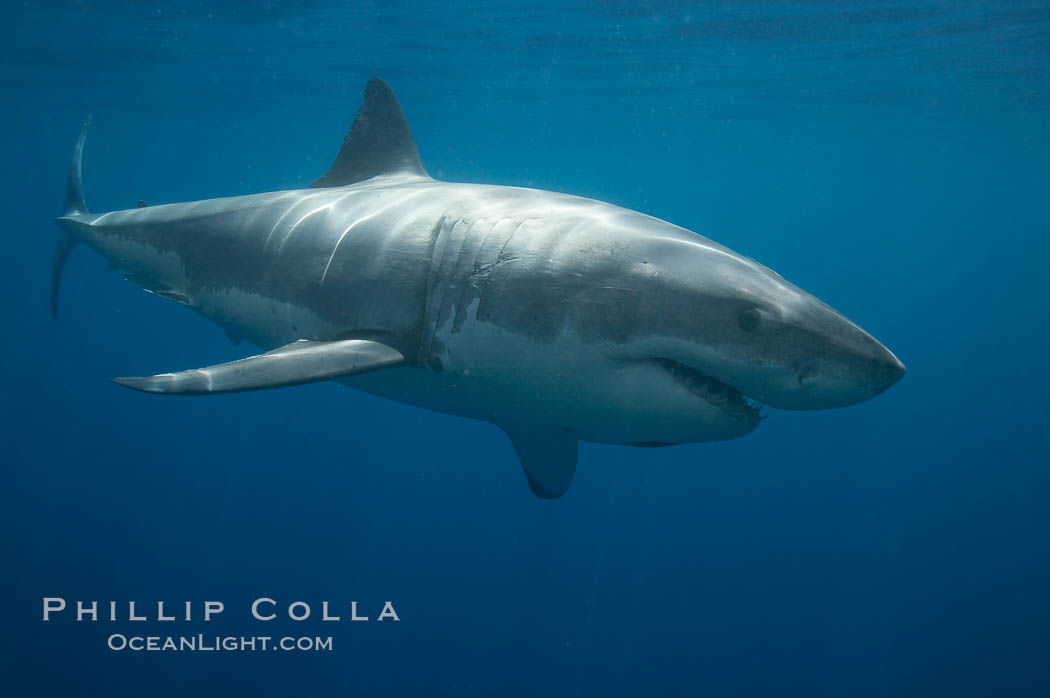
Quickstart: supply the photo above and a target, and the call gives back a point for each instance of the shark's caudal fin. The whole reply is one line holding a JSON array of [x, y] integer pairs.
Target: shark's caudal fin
[[305, 361], [73, 205], [379, 142]]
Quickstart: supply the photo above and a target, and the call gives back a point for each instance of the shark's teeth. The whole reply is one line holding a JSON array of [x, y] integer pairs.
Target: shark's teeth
[[722, 395]]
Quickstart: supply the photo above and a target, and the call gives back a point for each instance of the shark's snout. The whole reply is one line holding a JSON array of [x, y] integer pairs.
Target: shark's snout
[[883, 370], [890, 369], [841, 365]]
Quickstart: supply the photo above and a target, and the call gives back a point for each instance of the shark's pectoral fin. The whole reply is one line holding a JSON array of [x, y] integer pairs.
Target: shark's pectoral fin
[[548, 457], [305, 361]]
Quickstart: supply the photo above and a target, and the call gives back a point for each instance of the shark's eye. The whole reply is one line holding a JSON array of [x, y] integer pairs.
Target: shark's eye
[[748, 320]]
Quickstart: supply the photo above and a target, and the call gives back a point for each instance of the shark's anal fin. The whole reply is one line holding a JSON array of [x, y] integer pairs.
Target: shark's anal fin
[[305, 361], [548, 457], [379, 142]]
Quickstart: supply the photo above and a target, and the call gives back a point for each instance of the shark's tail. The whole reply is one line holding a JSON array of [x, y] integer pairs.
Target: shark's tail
[[73, 206]]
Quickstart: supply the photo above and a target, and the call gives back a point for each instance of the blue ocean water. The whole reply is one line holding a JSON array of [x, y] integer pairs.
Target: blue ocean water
[[891, 158]]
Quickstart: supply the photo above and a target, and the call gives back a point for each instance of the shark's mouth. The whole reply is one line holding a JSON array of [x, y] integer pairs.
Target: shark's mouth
[[725, 397]]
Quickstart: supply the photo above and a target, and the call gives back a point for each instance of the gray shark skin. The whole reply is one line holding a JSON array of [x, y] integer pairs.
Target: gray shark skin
[[555, 317]]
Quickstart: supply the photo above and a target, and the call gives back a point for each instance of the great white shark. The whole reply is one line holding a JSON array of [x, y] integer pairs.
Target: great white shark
[[555, 317]]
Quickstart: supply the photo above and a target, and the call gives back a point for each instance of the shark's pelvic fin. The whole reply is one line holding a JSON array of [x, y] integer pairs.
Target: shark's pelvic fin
[[379, 143], [305, 361], [548, 457], [72, 206]]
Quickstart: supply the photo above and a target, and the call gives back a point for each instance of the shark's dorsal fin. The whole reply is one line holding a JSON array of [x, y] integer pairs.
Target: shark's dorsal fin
[[379, 143]]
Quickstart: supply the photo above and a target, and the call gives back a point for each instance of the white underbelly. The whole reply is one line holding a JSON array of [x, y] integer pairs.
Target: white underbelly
[[491, 374], [488, 373], [265, 322]]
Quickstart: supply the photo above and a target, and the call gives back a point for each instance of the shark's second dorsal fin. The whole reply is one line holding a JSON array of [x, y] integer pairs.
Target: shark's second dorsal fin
[[379, 142]]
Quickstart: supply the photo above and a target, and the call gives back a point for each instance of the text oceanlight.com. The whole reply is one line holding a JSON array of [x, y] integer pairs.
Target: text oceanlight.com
[[215, 643]]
